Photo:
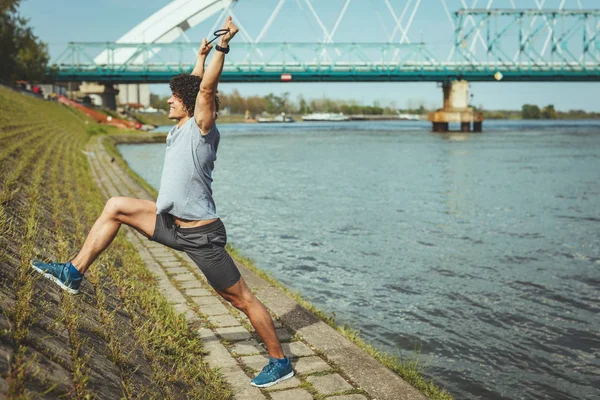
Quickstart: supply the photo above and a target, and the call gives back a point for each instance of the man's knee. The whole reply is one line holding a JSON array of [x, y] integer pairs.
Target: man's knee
[[114, 207], [241, 302]]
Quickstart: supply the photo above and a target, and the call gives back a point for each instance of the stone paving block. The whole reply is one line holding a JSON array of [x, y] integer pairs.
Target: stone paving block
[[283, 334], [218, 356], [328, 384], [184, 278], [287, 384], [222, 321], [170, 292], [153, 247], [256, 362], [190, 316], [177, 270], [249, 347], [168, 262], [294, 394], [234, 334], [206, 301], [163, 251], [173, 264], [190, 285], [296, 349], [240, 384], [197, 292], [214, 309], [309, 365], [348, 397], [164, 258]]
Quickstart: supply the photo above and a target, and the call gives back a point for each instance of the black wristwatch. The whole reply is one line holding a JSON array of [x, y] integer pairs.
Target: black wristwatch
[[222, 49]]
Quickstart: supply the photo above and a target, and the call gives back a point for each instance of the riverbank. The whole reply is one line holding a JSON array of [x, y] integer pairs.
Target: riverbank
[[408, 368], [325, 361]]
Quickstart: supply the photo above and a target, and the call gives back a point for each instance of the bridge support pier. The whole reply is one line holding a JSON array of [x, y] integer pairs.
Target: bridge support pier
[[456, 109], [104, 95]]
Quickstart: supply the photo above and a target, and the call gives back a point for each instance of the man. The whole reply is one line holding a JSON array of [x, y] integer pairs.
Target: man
[[184, 215]]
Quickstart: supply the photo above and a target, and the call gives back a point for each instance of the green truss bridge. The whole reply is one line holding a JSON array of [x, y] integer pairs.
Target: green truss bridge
[[489, 44]]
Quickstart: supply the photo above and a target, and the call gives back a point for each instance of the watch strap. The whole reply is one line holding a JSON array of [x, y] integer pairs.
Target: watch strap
[[222, 49]]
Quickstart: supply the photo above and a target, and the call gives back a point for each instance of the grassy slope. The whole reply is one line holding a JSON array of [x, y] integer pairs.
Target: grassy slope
[[119, 338]]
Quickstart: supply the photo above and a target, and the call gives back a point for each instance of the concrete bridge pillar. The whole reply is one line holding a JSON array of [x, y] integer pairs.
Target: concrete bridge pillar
[[104, 95], [456, 109]]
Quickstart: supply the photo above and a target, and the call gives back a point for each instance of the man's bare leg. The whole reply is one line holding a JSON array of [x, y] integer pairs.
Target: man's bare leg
[[240, 296], [139, 214]]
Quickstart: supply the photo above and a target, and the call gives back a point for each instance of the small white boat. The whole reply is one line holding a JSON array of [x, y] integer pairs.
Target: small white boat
[[409, 117], [279, 118], [325, 117]]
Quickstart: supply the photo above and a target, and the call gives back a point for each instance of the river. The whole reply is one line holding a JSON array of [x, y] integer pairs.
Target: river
[[480, 250]]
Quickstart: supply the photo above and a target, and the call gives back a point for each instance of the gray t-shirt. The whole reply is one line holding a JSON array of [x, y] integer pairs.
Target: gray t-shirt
[[185, 186]]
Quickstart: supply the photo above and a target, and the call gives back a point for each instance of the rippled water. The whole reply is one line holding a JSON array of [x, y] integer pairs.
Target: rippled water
[[481, 249]]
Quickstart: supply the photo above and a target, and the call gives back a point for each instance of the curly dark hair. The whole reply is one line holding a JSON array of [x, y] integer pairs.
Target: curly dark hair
[[186, 87]]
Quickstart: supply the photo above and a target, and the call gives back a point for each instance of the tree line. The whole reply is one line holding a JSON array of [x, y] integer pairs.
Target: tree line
[[532, 111], [277, 104], [24, 56]]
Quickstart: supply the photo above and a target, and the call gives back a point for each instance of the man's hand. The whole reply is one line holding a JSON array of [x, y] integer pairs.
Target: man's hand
[[202, 53], [233, 29], [204, 49]]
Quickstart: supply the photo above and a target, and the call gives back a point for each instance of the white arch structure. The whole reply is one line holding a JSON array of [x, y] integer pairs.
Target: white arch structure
[[164, 26]]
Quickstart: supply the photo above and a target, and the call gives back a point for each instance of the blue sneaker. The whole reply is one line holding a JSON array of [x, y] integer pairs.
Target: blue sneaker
[[274, 372], [64, 274]]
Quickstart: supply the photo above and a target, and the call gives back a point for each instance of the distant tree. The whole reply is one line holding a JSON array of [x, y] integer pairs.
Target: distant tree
[[277, 104], [160, 103], [256, 104], [530, 111], [548, 112], [235, 101], [23, 55], [303, 107], [272, 103]]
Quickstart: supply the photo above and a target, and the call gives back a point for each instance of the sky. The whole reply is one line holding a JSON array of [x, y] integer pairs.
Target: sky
[[58, 22]]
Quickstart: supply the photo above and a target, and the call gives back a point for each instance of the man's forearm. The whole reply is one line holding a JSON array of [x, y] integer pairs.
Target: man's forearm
[[199, 68], [213, 72]]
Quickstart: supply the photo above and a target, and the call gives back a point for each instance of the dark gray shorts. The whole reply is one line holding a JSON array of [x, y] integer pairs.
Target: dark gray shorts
[[203, 244]]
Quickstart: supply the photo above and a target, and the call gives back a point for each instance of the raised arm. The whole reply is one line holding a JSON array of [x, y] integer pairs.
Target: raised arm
[[202, 54], [205, 109]]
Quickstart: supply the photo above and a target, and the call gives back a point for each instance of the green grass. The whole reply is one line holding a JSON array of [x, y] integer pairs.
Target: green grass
[[156, 119], [120, 329]]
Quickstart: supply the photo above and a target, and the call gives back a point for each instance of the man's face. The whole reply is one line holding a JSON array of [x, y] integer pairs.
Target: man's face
[[176, 108]]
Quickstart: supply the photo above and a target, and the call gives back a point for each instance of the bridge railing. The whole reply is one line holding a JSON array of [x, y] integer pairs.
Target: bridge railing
[[151, 62]]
